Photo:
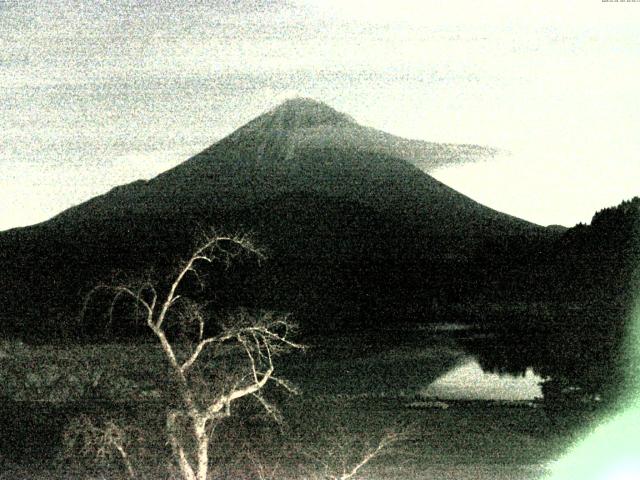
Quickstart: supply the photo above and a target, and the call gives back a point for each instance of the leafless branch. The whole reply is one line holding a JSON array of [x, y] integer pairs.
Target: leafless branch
[[262, 471], [288, 386], [101, 440], [270, 408], [338, 456], [196, 353], [384, 443]]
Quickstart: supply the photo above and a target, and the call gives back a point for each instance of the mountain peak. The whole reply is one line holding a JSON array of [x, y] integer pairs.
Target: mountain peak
[[304, 112]]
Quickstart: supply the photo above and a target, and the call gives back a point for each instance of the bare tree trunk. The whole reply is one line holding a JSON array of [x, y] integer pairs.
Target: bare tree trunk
[[186, 470], [202, 441]]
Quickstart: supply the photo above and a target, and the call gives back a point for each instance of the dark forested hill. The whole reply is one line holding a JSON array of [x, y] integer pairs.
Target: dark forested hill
[[579, 335]]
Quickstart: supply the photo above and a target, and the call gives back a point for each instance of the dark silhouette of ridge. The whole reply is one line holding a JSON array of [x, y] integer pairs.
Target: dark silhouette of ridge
[[580, 338]]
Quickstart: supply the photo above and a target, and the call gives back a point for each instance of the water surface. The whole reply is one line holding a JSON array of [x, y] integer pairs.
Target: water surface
[[468, 381]]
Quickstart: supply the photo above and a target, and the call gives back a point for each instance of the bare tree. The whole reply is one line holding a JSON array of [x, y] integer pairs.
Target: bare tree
[[340, 459], [198, 361], [100, 440]]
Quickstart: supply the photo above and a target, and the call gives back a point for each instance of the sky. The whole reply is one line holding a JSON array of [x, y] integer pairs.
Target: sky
[[97, 93]]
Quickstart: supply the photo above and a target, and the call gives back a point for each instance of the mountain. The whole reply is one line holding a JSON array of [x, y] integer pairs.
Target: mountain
[[301, 145], [357, 233], [312, 124]]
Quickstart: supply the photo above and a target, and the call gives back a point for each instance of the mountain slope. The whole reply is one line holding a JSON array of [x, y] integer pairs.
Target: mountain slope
[[358, 234]]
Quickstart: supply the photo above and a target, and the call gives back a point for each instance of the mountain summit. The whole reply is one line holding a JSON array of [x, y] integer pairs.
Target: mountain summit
[[302, 123], [302, 112]]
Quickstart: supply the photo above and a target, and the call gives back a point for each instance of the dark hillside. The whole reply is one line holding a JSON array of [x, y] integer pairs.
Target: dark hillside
[[580, 338]]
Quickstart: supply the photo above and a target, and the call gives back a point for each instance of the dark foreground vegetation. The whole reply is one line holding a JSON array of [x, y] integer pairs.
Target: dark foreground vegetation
[[350, 399], [319, 435]]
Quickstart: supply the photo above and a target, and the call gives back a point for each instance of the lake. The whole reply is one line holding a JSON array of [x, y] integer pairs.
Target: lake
[[429, 364]]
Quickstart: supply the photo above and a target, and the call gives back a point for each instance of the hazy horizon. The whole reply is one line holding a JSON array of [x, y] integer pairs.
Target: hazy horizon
[[99, 94]]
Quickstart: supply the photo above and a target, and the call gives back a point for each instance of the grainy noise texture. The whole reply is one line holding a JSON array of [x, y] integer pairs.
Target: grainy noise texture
[[319, 239]]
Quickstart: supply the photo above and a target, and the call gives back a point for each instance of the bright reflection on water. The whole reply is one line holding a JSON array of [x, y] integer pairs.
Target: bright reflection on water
[[469, 382]]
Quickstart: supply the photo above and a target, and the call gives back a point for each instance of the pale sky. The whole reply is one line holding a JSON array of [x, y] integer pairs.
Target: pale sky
[[94, 94]]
